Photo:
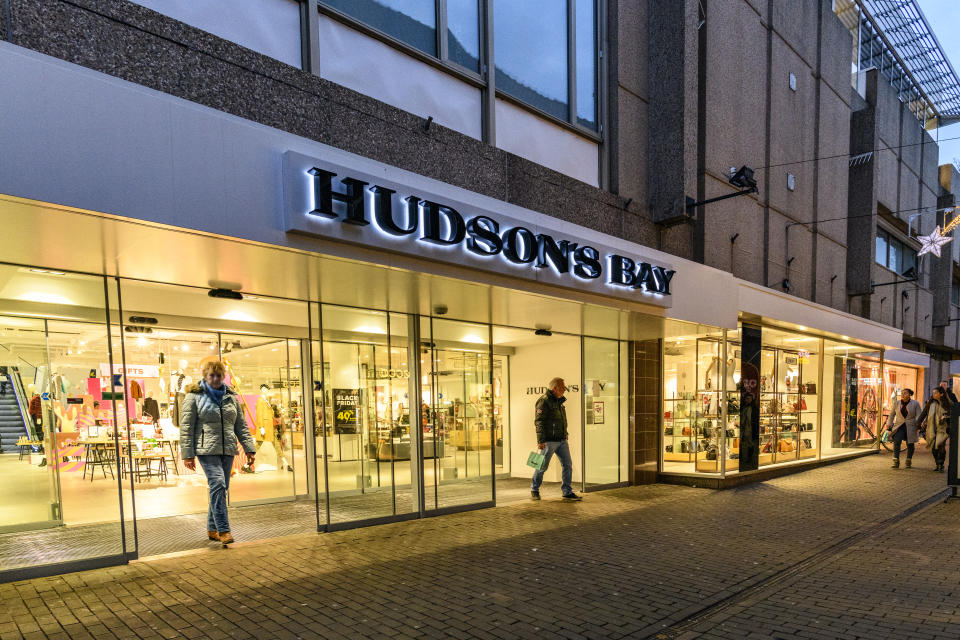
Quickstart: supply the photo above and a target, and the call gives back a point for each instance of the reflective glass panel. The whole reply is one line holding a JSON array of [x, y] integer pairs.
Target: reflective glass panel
[[586, 63], [530, 51], [411, 21], [463, 33]]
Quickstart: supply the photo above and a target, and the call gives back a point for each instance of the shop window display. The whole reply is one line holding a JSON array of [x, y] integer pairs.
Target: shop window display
[[789, 400], [851, 397], [896, 378], [694, 431], [817, 397]]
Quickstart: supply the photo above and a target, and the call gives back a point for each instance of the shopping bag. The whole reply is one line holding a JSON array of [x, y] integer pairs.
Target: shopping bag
[[537, 460]]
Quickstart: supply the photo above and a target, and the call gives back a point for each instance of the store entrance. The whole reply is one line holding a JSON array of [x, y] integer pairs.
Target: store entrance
[[168, 333]]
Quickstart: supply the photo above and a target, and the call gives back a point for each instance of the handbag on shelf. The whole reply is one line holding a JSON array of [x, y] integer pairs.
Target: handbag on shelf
[[736, 443], [803, 404], [668, 448], [810, 388], [684, 446], [686, 431], [806, 443], [668, 431], [784, 446], [767, 447], [712, 453]]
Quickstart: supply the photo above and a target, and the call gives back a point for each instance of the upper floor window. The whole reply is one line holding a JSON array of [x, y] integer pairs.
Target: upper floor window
[[545, 51], [894, 254], [955, 293]]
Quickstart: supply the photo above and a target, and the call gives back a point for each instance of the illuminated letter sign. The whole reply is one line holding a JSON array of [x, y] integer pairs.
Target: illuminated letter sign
[[326, 200]]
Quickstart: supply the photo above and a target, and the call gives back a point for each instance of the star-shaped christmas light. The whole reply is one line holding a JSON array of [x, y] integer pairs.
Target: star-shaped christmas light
[[933, 243]]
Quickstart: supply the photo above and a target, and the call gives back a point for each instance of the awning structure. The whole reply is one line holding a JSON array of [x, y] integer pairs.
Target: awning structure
[[894, 37], [773, 307]]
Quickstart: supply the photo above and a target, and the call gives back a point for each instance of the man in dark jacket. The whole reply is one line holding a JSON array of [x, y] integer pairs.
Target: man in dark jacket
[[551, 423], [945, 388]]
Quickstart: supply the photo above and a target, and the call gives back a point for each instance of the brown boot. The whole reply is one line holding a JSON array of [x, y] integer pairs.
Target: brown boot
[[226, 538], [213, 535]]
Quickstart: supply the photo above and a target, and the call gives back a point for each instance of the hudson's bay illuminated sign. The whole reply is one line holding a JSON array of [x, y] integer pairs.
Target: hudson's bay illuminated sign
[[331, 201]]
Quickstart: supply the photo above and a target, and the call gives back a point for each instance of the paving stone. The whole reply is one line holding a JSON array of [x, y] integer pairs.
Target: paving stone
[[626, 563]]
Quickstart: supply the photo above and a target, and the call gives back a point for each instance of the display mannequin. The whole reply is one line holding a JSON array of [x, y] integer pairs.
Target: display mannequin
[[714, 372], [264, 418], [176, 389], [280, 432], [152, 409]]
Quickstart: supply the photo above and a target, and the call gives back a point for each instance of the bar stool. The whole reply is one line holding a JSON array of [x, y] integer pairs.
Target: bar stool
[[98, 455]]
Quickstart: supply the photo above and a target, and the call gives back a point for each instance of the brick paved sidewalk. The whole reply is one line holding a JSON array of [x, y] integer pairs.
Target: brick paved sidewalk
[[623, 563], [901, 584]]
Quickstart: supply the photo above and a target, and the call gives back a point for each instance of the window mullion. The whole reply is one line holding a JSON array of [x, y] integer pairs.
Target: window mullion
[[487, 71], [572, 61], [442, 40]]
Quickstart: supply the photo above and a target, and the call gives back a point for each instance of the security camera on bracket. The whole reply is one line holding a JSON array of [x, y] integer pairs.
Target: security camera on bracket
[[741, 178]]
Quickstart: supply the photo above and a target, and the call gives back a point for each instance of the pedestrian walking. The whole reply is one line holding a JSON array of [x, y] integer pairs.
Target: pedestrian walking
[[902, 423], [211, 423], [935, 419], [945, 388], [550, 421]]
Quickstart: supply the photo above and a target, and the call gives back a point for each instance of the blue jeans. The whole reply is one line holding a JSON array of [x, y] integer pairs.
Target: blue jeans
[[562, 449], [217, 469]]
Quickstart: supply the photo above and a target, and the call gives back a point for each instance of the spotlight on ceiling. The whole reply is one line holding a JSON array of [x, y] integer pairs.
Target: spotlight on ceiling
[[225, 293], [130, 329]]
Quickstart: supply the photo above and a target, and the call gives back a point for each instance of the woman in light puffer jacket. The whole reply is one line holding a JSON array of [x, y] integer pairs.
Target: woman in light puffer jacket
[[211, 423]]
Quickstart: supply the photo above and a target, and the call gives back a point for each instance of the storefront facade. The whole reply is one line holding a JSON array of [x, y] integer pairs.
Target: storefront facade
[[389, 334]]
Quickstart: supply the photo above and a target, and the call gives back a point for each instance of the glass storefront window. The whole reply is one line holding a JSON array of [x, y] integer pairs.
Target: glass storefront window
[[816, 398], [896, 378], [693, 390], [59, 468], [851, 398], [789, 400]]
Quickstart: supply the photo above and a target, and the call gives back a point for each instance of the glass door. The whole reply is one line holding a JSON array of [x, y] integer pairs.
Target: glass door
[[460, 427], [58, 428], [601, 405], [31, 484], [369, 439], [261, 371]]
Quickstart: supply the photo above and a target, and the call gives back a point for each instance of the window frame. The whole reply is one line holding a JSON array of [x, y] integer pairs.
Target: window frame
[[894, 243], [482, 79]]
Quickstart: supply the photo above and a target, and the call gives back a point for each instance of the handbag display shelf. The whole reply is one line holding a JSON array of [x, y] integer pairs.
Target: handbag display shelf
[[692, 418], [788, 409], [788, 415]]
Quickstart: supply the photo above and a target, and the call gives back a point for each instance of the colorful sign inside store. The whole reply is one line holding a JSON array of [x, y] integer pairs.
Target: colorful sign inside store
[[327, 200], [132, 370]]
